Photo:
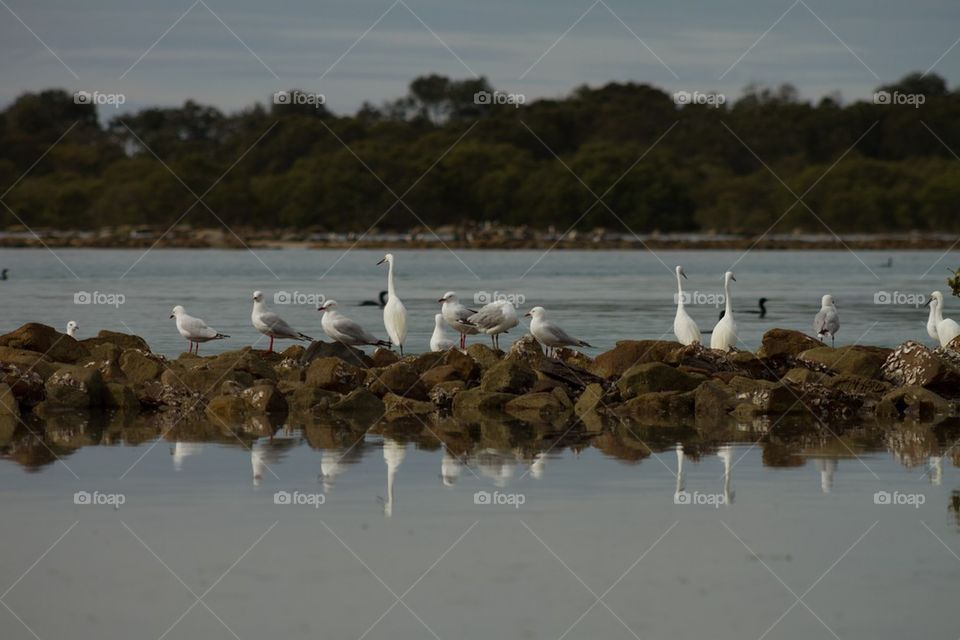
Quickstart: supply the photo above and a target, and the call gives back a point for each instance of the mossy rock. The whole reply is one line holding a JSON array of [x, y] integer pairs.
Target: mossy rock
[[508, 376], [41, 338], [655, 376]]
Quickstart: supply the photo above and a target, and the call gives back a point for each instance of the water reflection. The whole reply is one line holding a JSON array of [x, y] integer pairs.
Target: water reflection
[[182, 450], [393, 454], [827, 467]]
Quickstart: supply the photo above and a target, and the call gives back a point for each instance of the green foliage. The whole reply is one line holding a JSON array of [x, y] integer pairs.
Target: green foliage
[[454, 160]]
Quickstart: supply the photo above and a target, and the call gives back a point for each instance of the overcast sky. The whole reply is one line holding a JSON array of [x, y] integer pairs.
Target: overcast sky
[[233, 53]]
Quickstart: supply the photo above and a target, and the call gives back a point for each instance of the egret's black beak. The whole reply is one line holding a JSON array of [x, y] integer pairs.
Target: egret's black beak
[[171, 316], [684, 275], [442, 300], [382, 261], [929, 302], [734, 278]]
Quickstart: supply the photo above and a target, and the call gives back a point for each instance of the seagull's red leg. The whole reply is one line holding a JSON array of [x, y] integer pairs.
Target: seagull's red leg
[[270, 350]]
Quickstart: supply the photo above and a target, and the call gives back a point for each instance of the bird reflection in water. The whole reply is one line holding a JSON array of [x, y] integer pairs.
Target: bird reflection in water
[[681, 474], [725, 453], [393, 455], [450, 468], [267, 452], [330, 468], [181, 450], [827, 467]]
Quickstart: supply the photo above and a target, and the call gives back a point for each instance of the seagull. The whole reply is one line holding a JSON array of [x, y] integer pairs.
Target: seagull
[[193, 329], [495, 318], [550, 335], [827, 320], [72, 328], [724, 336], [344, 330], [684, 327], [457, 316], [439, 340], [270, 324], [380, 302], [947, 329], [394, 313]]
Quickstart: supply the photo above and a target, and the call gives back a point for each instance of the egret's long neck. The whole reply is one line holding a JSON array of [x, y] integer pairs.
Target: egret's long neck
[[726, 293], [391, 286], [937, 312], [679, 291]]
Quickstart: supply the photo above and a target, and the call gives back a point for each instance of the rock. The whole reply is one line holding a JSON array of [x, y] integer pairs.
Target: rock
[[483, 355], [629, 353], [857, 384], [359, 403], [696, 358], [106, 352], [289, 370], [401, 379], [444, 393], [32, 360], [383, 357], [120, 396], [471, 402], [713, 400], [452, 365], [660, 407], [780, 342], [399, 407], [122, 340], [526, 350], [856, 360], [509, 376], [655, 376], [140, 366], [768, 397], [75, 387], [40, 338], [592, 399], [293, 352], [246, 360], [333, 374], [801, 375], [912, 402], [540, 407], [207, 382], [321, 349], [423, 362], [311, 399], [954, 345], [230, 388], [913, 364], [9, 409], [231, 410], [25, 385], [443, 373], [576, 359], [264, 398]]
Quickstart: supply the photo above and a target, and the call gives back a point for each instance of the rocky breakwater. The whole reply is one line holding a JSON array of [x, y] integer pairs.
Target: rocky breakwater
[[45, 374]]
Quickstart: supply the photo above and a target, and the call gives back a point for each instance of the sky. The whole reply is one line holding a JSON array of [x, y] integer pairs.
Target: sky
[[232, 54]]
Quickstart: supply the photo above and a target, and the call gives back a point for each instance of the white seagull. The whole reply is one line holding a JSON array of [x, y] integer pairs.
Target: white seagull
[[344, 330], [495, 318], [72, 328], [549, 334], [194, 330], [827, 321], [457, 316], [724, 335], [270, 324], [684, 327], [439, 340], [394, 313], [947, 329]]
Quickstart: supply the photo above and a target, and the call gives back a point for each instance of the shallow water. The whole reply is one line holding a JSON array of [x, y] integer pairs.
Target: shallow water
[[767, 530], [599, 296]]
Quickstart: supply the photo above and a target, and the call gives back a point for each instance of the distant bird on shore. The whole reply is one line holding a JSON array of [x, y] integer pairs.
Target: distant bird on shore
[[344, 330], [947, 329], [724, 336], [457, 316], [380, 302], [394, 313], [549, 334], [270, 324], [827, 321], [72, 328], [194, 330], [495, 318], [439, 340], [684, 327]]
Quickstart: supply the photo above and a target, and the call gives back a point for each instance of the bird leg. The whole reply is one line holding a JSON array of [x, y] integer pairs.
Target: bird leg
[[270, 349], [463, 341], [198, 349]]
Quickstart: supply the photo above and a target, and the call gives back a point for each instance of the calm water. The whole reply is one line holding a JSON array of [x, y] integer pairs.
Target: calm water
[[603, 536]]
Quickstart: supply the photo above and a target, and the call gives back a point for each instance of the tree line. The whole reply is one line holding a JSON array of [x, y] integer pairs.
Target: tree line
[[624, 155]]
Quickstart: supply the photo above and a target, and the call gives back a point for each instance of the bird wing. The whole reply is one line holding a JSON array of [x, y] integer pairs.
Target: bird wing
[[196, 327], [398, 316], [278, 325], [559, 335], [350, 328], [489, 316]]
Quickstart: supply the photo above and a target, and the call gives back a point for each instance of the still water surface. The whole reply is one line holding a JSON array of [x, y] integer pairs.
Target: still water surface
[[618, 535]]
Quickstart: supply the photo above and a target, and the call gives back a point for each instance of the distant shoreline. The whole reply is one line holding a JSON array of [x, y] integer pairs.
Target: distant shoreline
[[494, 238]]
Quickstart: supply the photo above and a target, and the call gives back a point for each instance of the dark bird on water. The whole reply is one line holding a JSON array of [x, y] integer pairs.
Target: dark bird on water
[[370, 303], [762, 311]]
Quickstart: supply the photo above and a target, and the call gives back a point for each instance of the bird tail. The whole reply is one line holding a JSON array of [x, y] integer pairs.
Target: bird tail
[[383, 343], [220, 336], [582, 343], [303, 336]]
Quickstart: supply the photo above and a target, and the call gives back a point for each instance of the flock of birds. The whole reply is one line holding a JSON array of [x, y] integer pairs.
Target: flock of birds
[[500, 316]]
